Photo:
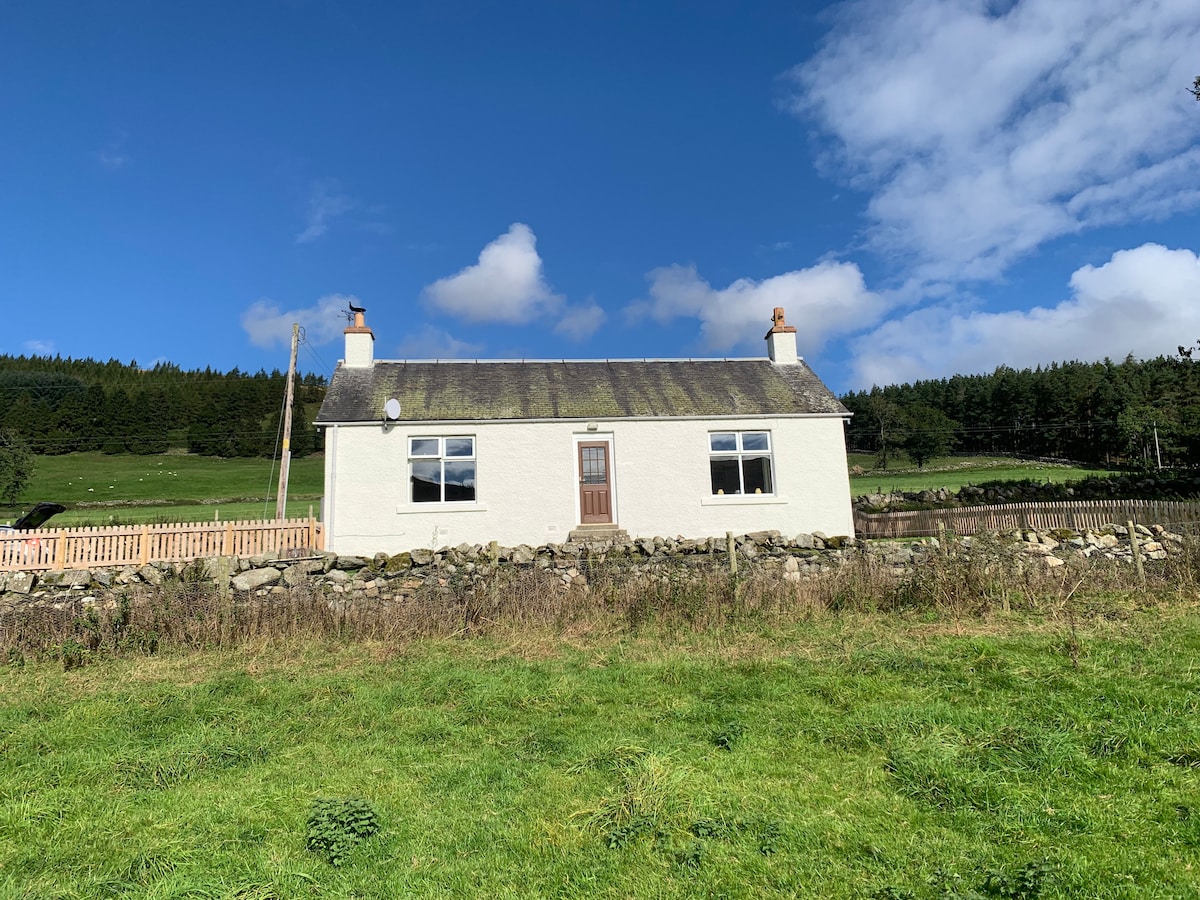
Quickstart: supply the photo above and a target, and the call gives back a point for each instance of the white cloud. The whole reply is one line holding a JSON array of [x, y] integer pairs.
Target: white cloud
[[436, 343], [267, 326], [36, 347], [113, 155], [506, 285], [984, 129], [1142, 301], [822, 301], [326, 201], [112, 159], [580, 322]]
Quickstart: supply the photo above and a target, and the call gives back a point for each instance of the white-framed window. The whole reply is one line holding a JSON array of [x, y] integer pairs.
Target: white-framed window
[[740, 462], [442, 469]]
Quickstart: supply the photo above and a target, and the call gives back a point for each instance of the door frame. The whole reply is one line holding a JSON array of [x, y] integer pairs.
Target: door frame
[[593, 437]]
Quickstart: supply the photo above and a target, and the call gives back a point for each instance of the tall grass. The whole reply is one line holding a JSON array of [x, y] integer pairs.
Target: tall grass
[[992, 577]]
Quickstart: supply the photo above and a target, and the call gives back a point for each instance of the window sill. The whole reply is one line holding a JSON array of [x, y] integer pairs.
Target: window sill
[[742, 500], [413, 508]]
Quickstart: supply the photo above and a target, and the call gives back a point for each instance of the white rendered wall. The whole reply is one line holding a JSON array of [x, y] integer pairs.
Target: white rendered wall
[[527, 483]]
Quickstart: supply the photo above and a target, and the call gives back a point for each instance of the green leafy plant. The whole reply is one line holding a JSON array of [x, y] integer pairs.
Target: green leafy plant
[[692, 856], [1024, 883], [768, 840], [627, 832], [729, 734], [336, 825], [73, 654]]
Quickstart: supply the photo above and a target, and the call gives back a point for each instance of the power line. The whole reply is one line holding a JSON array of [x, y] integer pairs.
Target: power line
[[312, 351]]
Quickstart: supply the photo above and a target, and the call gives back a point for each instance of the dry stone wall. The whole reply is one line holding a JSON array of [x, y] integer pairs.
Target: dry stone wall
[[349, 578]]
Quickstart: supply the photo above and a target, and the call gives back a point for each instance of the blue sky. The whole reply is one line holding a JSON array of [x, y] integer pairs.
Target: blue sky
[[927, 186]]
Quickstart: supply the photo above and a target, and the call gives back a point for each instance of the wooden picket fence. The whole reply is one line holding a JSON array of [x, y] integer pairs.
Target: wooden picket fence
[[1076, 515], [136, 545]]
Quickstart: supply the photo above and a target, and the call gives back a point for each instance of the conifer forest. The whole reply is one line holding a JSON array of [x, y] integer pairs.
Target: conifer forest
[[62, 405]]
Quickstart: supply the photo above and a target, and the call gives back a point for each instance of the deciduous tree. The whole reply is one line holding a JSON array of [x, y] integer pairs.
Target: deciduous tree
[[17, 464], [930, 433]]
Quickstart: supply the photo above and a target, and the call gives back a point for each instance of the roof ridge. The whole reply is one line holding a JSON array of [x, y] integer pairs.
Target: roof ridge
[[593, 389], [644, 359]]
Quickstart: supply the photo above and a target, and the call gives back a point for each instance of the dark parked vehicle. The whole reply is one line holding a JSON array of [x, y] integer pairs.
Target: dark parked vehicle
[[35, 518]]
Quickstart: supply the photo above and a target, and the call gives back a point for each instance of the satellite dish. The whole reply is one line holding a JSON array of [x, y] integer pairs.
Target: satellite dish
[[391, 409]]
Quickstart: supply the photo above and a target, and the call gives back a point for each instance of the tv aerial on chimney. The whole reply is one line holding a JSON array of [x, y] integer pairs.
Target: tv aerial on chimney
[[353, 311]]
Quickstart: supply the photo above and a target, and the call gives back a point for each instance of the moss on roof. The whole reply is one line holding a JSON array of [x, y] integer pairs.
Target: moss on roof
[[433, 391]]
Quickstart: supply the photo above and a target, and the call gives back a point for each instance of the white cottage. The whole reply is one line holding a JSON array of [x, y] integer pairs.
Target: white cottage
[[429, 454]]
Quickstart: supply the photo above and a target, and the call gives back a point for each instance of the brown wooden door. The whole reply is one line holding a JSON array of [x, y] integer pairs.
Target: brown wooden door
[[595, 483]]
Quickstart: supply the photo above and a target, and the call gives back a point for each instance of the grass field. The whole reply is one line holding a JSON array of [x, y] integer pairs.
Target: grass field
[[169, 488], [952, 472], [99, 489], [846, 756]]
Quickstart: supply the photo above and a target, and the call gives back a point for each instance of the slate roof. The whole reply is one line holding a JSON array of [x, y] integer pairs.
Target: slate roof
[[600, 389]]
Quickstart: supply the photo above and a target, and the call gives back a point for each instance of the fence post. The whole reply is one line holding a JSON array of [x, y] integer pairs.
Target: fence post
[[60, 550], [731, 546], [1137, 552], [224, 573]]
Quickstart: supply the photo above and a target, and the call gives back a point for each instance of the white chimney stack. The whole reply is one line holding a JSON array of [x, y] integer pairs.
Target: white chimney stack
[[360, 343], [781, 340]]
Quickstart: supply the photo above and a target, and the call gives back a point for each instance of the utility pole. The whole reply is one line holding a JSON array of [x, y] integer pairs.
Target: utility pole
[[1157, 452], [286, 457]]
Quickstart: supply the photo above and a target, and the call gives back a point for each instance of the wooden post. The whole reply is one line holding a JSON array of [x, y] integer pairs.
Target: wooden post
[[1137, 552], [144, 555], [224, 572], [285, 457], [731, 546], [60, 551]]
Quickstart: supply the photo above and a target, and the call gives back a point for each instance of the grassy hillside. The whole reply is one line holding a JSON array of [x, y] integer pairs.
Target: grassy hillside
[[953, 472], [97, 487], [846, 757]]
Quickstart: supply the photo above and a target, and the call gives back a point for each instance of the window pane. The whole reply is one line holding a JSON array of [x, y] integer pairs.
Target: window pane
[[426, 482], [721, 442], [460, 480], [424, 447], [460, 446], [754, 440], [757, 474], [725, 475], [594, 470]]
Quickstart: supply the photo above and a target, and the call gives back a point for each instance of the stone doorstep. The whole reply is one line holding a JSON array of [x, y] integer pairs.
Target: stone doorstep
[[589, 534]]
